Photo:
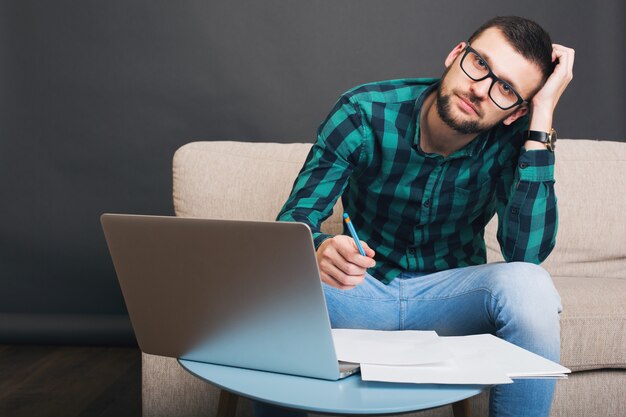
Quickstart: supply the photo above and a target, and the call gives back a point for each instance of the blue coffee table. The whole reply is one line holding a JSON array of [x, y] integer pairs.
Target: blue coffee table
[[347, 396]]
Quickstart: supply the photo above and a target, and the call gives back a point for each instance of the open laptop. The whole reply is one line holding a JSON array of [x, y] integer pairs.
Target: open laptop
[[237, 293]]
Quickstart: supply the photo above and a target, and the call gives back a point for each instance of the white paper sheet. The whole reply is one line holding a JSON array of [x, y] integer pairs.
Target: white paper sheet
[[478, 359], [491, 352], [408, 347], [444, 373]]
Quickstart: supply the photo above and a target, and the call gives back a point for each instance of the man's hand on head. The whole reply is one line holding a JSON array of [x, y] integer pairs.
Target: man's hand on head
[[340, 263], [546, 99]]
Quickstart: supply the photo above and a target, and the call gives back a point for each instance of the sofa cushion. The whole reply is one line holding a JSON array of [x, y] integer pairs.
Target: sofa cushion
[[593, 322], [213, 180]]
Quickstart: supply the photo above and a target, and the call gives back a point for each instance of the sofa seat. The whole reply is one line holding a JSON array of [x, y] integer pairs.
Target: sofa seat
[[593, 322]]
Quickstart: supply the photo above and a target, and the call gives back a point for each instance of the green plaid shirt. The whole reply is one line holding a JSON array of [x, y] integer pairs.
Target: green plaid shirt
[[423, 212]]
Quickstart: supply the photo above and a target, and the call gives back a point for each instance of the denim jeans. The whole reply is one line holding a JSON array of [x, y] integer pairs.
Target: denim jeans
[[515, 301]]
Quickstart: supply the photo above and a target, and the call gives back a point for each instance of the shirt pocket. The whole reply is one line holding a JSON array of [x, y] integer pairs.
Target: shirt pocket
[[470, 202]]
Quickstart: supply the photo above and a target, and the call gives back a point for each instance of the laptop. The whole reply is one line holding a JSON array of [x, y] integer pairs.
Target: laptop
[[238, 293]]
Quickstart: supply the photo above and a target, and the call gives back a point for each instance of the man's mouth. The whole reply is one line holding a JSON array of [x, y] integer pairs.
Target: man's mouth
[[467, 106]]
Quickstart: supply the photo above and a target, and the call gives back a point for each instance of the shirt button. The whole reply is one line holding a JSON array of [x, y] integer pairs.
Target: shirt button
[[412, 251], [523, 165], [426, 203], [514, 210]]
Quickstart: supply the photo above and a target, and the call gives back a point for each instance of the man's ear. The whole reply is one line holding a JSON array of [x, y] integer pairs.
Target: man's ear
[[454, 53], [521, 111]]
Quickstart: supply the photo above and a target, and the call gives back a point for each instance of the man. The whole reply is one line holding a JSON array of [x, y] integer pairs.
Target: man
[[422, 165]]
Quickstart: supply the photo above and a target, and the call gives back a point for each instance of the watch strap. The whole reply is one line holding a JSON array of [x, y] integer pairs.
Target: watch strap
[[547, 138], [537, 136]]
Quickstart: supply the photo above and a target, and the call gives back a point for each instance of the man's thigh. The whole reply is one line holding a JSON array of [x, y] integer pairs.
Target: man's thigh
[[477, 299], [454, 302], [412, 301]]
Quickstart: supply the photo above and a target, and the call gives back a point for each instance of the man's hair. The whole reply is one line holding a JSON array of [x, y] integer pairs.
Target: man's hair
[[526, 37]]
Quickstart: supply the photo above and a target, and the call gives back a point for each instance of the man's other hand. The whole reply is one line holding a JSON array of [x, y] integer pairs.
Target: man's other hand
[[546, 99], [341, 265]]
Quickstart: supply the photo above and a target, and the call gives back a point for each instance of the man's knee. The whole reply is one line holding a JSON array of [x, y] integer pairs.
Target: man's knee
[[527, 283], [525, 296], [528, 309]]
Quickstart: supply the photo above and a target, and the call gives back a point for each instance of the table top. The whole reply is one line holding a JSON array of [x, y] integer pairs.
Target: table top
[[350, 395]]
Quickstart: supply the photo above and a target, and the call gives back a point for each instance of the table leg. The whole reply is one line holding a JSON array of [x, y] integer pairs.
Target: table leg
[[227, 406], [462, 408]]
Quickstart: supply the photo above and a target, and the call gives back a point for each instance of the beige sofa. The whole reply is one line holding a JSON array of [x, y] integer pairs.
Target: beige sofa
[[252, 180]]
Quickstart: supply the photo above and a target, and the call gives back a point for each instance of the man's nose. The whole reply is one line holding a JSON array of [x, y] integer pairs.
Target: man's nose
[[481, 88]]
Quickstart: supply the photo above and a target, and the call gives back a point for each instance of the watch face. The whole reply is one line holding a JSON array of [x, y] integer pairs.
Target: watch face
[[552, 140]]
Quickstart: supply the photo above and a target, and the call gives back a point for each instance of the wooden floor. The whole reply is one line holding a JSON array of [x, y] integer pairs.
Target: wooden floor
[[75, 381]]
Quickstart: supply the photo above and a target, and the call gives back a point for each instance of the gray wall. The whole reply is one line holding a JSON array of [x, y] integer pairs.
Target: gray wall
[[97, 96]]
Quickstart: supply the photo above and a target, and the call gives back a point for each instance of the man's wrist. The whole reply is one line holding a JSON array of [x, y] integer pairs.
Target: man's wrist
[[532, 145], [547, 139], [541, 117]]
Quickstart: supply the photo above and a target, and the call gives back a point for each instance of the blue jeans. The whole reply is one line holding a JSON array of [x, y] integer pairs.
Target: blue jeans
[[515, 301]]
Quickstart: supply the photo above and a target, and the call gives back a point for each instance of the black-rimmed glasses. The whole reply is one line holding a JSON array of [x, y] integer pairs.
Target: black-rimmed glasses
[[500, 92]]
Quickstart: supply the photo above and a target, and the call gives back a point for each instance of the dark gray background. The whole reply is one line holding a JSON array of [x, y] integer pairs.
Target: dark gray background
[[97, 96]]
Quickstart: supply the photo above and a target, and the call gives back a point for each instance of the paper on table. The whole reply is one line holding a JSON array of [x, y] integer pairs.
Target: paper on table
[[409, 347], [443, 373], [478, 359], [491, 351]]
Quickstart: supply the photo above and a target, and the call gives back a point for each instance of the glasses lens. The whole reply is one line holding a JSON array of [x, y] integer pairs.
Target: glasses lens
[[474, 66], [503, 94]]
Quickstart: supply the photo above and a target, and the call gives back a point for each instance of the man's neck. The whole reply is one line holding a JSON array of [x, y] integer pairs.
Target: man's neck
[[435, 135]]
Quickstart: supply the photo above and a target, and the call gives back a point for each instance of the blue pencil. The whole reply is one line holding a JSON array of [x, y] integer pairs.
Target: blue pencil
[[346, 218]]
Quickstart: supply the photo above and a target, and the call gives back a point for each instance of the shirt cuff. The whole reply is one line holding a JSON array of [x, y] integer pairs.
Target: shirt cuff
[[319, 237], [536, 165]]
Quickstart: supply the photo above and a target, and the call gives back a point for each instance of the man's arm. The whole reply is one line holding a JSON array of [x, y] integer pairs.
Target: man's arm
[[544, 102], [527, 209], [320, 183]]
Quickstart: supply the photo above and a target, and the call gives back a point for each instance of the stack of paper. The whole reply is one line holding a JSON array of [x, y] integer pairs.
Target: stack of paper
[[424, 357]]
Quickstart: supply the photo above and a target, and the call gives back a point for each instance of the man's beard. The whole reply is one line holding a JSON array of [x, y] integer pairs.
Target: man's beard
[[465, 127]]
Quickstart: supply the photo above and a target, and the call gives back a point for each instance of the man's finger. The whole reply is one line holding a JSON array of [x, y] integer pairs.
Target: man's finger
[[368, 251], [351, 254], [349, 268], [335, 265], [341, 279], [329, 280]]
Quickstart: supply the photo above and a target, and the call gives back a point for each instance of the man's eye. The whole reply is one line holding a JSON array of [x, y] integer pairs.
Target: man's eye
[[479, 62], [505, 89]]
